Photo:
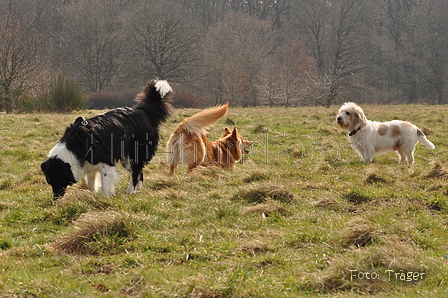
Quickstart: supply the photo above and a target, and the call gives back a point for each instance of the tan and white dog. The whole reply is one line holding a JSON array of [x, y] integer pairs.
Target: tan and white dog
[[370, 138], [189, 143]]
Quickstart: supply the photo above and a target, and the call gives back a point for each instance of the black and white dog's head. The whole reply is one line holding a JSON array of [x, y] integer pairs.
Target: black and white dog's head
[[61, 169], [58, 174]]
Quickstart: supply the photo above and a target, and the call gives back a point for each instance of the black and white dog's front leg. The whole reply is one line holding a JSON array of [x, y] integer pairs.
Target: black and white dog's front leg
[[136, 175], [109, 176], [136, 178], [93, 180]]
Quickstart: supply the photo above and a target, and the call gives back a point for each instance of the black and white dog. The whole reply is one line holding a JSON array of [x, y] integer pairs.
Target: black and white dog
[[93, 146]]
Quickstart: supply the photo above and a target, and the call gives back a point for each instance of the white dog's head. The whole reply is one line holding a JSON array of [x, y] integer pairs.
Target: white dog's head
[[351, 117]]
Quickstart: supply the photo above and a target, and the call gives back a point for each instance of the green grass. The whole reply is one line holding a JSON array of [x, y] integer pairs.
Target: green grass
[[300, 217]]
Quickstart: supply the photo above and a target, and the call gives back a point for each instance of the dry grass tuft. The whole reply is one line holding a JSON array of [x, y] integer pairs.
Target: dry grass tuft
[[230, 122], [358, 233], [391, 253], [134, 287], [256, 176], [296, 153], [206, 292], [356, 198], [438, 171], [162, 184], [375, 179], [270, 208], [331, 204], [261, 128], [329, 130], [256, 247], [336, 277], [397, 253], [261, 194], [95, 233]]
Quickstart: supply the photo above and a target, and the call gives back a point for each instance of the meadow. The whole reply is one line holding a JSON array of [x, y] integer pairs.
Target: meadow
[[300, 216]]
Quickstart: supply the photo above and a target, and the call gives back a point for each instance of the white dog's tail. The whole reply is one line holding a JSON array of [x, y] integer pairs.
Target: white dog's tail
[[422, 138], [201, 121]]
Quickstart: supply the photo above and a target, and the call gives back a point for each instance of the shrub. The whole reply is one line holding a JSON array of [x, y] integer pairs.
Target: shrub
[[185, 100], [27, 104], [111, 100], [65, 96]]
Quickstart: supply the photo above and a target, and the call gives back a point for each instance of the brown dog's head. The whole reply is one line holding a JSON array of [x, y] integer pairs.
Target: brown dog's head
[[351, 116], [235, 143]]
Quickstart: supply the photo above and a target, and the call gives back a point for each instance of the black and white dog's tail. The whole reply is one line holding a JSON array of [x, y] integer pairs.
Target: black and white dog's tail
[[155, 101]]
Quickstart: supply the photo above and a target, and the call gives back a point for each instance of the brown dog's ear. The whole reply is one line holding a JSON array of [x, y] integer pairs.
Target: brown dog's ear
[[235, 132], [226, 132]]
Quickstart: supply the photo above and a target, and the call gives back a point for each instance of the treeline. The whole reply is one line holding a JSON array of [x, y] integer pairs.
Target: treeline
[[247, 52]]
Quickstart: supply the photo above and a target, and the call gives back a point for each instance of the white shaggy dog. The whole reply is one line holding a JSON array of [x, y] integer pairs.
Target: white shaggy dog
[[370, 138]]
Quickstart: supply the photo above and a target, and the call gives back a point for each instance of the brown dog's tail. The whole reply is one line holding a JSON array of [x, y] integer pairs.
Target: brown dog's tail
[[198, 123]]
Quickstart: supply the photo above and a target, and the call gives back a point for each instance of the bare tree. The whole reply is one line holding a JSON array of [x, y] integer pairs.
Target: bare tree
[[272, 10], [297, 68], [165, 42], [20, 56], [338, 35], [236, 51], [211, 11], [245, 51], [207, 12], [93, 43], [313, 17], [401, 67], [429, 46], [418, 29]]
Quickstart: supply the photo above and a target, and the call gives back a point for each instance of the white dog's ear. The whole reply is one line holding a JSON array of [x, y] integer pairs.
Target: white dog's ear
[[362, 120]]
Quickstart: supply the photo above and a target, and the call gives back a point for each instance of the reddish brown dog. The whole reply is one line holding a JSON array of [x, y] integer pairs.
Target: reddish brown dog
[[189, 143]]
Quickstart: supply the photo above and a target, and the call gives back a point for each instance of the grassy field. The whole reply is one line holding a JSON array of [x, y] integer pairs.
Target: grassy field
[[301, 216]]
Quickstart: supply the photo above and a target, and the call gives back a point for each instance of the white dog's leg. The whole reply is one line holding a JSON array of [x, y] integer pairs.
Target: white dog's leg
[[409, 155], [411, 158], [363, 152], [367, 155], [109, 176], [401, 156], [93, 181], [366, 158]]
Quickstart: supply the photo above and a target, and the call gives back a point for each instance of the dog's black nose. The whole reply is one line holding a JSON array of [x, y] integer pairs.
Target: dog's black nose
[[339, 119]]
